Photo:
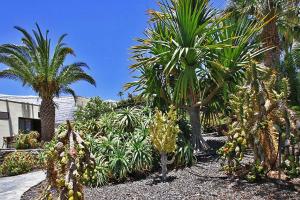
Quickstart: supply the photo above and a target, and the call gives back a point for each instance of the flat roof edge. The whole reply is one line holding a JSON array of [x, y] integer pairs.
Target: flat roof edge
[[20, 102]]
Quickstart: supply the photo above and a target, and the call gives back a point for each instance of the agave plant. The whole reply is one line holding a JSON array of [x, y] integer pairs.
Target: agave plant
[[101, 172], [128, 119], [140, 151], [108, 144], [119, 163]]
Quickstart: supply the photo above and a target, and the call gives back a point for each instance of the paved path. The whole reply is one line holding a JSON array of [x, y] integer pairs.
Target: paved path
[[12, 188]]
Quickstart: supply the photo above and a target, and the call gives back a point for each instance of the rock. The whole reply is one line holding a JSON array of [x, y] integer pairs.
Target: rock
[[296, 183], [216, 142], [276, 174]]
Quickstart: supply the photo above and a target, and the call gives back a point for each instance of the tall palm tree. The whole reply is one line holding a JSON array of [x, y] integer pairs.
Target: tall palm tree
[[120, 94], [189, 55], [36, 66], [277, 13]]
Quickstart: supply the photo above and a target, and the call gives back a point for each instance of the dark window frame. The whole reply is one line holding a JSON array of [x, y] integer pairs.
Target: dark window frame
[[32, 123], [4, 115]]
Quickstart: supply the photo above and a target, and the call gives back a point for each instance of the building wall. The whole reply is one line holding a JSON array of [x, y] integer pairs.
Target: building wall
[[10, 127]]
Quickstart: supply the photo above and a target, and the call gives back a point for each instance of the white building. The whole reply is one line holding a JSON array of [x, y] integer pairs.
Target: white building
[[19, 113]]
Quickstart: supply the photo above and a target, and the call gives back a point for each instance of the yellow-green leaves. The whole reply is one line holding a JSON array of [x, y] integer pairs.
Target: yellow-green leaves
[[164, 130]]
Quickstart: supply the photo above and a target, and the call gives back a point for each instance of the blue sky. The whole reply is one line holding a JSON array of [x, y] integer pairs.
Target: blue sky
[[100, 32]]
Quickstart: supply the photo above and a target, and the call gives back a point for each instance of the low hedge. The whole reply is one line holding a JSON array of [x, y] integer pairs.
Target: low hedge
[[18, 163]]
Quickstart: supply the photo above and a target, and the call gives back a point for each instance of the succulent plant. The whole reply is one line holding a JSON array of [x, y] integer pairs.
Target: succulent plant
[[261, 118], [163, 133], [68, 162]]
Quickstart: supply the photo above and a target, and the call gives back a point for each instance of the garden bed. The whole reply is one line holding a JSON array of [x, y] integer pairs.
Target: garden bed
[[4, 152], [205, 180]]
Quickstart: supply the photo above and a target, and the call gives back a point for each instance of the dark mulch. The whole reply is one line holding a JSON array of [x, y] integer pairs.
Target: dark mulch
[[202, 181]]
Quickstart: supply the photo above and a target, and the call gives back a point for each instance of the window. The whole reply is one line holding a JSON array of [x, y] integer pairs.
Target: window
[[4, 115], [26, 125]]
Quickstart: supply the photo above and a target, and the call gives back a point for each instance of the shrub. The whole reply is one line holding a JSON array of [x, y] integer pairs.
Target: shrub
[[27, 141], [18, 163], [94, 109], [184, 155], [184, 151]]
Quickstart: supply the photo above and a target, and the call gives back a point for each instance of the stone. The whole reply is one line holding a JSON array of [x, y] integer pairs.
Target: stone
[[275, 175]]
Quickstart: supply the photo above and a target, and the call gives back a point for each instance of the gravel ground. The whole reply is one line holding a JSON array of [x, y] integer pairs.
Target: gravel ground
[[202, 181]]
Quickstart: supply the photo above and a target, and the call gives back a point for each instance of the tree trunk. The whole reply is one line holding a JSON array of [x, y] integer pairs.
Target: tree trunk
[[47, 113], [163, 164], [197, 140], [270, 38]]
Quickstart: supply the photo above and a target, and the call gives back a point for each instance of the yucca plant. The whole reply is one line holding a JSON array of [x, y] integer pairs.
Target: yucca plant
[[189, 58], [34, 64]]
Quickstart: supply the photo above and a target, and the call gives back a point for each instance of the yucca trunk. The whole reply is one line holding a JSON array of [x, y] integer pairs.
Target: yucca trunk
[[270, 38], [197, 140], [47, 114]]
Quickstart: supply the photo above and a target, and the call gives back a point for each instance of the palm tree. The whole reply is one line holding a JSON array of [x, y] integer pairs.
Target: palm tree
[[120, 94], [188, 57], [278, 13], [281, 33], [291, 65], [33, 64]]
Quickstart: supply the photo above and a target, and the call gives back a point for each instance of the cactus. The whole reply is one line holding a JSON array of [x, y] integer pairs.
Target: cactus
[[261, 117], [68, 162], [163, 133]]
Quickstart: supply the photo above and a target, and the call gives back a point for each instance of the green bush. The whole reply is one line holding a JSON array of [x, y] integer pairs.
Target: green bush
[[120, 142], [28, 140], [296, 109], [184, 155], [18, 163], [184, 152], [94, 109]]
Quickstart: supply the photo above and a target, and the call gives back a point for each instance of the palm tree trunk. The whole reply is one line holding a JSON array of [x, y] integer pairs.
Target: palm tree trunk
[[47, 113], [270, 38], [197, 140]]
